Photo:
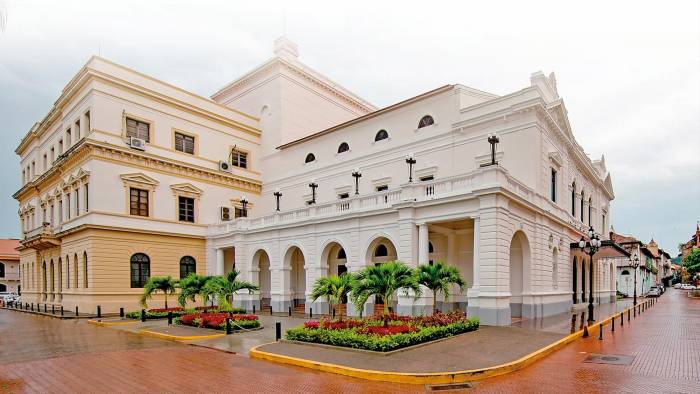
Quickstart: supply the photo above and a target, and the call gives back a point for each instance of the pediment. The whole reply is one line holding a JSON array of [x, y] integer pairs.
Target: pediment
[[139, 178], [609, 186], [186, 188], [556, 158]]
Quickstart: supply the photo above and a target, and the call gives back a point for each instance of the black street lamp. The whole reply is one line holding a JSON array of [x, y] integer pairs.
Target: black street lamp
[[277, 195], [410, 160], [357, 175], [634, 263], [313, 185], [590, 248], [244, 207]]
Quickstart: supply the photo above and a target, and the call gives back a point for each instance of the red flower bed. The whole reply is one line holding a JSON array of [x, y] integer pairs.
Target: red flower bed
[[165, 310], [389, 330], [440, 319], [334, 325], [391, 317], [212, 320]]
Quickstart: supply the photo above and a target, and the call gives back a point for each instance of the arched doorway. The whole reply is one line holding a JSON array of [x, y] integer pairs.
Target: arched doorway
[[519, 263], [294, 259], [574, 277], [261, 261], [335, 258], [583, 279]]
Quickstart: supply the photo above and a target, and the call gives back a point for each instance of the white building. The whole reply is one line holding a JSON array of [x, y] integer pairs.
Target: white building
[[162, 206]]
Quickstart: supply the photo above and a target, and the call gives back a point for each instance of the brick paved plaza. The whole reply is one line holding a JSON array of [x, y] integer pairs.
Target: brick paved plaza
[[41, 354]]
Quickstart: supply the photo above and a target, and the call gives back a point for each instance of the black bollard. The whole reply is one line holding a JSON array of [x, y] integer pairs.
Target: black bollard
[[634, 309], [228, 326], [622, 319], [290, 311], [32, 307], [613, 324], [311, 313], [44, 308], [334, 313], [253, 308], [170, 318], [585, 331], [121, 312], [143, 315], [278, 331], [600, 332], [76, 311], [61, 310], [53, 309], [99, 311], [270, 310], [628, 315]]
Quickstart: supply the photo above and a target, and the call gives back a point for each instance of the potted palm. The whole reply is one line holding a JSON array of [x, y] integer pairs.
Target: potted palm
[[155, 284], [439, 277], [223, 288], [383, 280], [335, 288]]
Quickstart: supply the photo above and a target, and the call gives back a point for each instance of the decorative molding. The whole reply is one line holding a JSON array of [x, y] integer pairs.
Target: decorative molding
[[139, 179], [186, 189]]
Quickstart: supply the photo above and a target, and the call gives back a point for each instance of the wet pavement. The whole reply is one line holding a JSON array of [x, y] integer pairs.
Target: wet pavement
[[570, 322], [41, 354]]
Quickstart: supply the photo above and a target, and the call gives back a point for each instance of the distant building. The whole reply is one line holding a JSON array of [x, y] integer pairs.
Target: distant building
[[693, 243], [9, 266], [645, 273]]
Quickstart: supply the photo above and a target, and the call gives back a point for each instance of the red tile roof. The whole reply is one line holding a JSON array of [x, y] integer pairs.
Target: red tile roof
[[7, 248]]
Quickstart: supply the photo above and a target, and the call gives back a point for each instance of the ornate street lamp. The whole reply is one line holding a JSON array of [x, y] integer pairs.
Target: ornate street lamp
[[590, 248], [244, 206], [277, 195], [357, 175], [313, 185], [634, 263], [410, 160]]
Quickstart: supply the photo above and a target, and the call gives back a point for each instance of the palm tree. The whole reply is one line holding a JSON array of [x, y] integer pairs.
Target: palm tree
[[164, 284], [439, 277], [334, 288], [191, 287], [383, 280], [223, 288]]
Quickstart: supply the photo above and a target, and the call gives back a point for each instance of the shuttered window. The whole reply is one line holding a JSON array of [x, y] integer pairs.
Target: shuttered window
[[137, 129], [239, 159], [184, 143], [138, 202]]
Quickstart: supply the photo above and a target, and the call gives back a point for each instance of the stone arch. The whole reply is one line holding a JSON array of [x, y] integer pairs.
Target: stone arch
[[294, 260], [519, 271], [261, 262], [378, 243], [334, 256]]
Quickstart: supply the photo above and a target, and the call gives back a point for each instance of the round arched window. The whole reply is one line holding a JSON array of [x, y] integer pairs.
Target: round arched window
[[309, 158], [188, 265], [344, 147], [427, 120], [381, 135], [140, 270]]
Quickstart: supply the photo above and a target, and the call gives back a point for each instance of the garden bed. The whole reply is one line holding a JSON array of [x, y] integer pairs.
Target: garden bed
[[383, 334], [162, 313], [217, 321]]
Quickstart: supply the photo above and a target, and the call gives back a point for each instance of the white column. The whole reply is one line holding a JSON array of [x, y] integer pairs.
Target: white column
[[219, 261], [476, 260], [423, 244]]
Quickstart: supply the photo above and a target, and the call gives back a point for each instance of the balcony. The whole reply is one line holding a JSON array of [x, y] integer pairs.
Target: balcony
[[487, 178], [40, 238]]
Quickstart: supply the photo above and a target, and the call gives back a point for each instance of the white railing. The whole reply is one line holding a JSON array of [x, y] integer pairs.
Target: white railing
[[415, 191]]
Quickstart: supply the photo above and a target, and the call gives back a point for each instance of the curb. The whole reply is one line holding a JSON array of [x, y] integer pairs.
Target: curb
[[110, 324], [431, 377], [170, 337]]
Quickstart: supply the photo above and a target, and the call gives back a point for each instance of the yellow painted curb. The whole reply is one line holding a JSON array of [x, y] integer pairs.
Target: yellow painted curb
[[110, 324], [431, 377], [170, 337]]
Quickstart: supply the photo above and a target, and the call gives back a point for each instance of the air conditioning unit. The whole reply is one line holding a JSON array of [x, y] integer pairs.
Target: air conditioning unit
[[137, 143], [224, 166], [225, 214]]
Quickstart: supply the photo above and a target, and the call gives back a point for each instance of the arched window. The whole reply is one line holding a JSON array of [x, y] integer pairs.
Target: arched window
[[431, 249], [381, 135], [427, 120], [67, 273], [381, 251], [85, 270], [582, 206], [75, 269], [140, 270], [187, 266], [590, 210], [341, 254], [2, 270], [573, 199], [309, 158], [344, 147]]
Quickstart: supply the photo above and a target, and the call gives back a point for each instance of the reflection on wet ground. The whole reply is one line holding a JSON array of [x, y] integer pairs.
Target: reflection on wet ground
[[569, 322]]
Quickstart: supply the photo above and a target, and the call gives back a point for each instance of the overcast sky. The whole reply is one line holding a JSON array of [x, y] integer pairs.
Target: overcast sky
[[629, 72]]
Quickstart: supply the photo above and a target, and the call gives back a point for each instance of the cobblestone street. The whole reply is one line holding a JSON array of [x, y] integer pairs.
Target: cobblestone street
[[40, 354]]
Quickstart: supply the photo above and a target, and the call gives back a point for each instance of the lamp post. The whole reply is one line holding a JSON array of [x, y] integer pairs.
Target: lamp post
[[590, 248], [277, 195], [313, 185], [634, 263], [244, 206], [357, 175], [410, 160]]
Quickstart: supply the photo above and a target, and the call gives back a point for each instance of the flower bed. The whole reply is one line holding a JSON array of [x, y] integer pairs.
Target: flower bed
[[384, 333], [162, 313], [217, 320]]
